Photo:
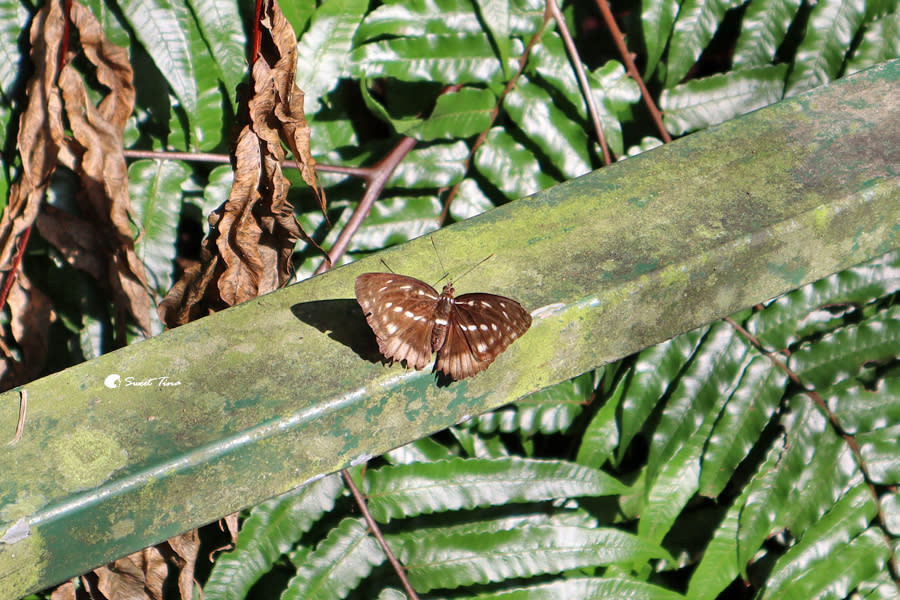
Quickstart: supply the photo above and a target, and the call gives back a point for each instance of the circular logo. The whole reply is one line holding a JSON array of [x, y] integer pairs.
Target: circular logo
[[112, 381]]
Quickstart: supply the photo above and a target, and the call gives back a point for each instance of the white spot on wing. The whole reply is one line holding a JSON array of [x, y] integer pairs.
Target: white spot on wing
[[409, 314], [440, 321], [483, 327], [398, 309]]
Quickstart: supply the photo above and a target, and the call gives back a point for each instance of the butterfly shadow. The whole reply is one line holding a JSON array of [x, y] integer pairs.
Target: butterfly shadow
[[343, 321]]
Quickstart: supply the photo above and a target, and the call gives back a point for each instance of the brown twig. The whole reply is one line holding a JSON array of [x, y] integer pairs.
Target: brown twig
[[578, 66], [818, 401], [14, 268], [379, 175], [523, 61], [628, 59], [257, 33], [376, 531], [224, 159]]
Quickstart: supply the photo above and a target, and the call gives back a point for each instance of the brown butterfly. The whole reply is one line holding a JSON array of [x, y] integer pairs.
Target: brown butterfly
[[411, 321]]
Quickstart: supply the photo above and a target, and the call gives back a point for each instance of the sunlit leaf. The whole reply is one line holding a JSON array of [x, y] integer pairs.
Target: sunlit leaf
[[830, 30], [700, 103], [325, 48]]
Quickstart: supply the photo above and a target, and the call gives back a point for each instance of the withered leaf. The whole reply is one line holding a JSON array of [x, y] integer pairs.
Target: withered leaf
[[65, 591], [30, 316], [75, 238], [138, 576], [252, 235], [229, 524], [186, 547], [288, 105], [40, 132], [96, 154]]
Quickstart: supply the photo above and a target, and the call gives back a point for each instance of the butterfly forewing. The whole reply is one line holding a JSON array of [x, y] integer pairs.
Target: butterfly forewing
[[400, 310], [403, 312]]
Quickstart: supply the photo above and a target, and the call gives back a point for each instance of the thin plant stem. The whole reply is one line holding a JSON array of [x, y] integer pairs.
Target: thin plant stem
[[578, 66], [376, 531], [628, 59]]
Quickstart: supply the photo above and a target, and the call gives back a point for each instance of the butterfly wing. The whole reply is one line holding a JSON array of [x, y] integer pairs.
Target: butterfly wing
[[400, 310], [480, 327]]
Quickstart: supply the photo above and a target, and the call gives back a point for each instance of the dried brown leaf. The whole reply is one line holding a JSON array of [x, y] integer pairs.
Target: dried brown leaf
[[138, 576], [40, 132], [186, 548], [11, 371], [96, 153], [231, 525], [256, 233], [193, 296], [30, 317], [113, 70], [65, 591], [252, 235], [75, 238], [288, 104]]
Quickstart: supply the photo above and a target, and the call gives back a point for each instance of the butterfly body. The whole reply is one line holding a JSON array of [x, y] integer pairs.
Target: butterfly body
[[442, 318], [411, 321]]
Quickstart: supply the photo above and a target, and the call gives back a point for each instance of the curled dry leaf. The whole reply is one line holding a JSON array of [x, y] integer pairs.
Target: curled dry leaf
[[95, 153], [186, 548], [75, 238], [102, 244], [252, 235], [288, 98], [228, 523], [65, 591], [40, 134], [30, 311], [138, 576]]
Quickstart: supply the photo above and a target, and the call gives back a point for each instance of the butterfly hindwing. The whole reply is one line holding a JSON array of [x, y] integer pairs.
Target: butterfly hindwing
[[455, 357], [399, 310]]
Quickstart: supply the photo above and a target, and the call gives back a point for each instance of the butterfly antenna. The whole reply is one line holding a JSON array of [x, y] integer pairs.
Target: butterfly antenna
[[478, 264], [386, 266], [436, 253]]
